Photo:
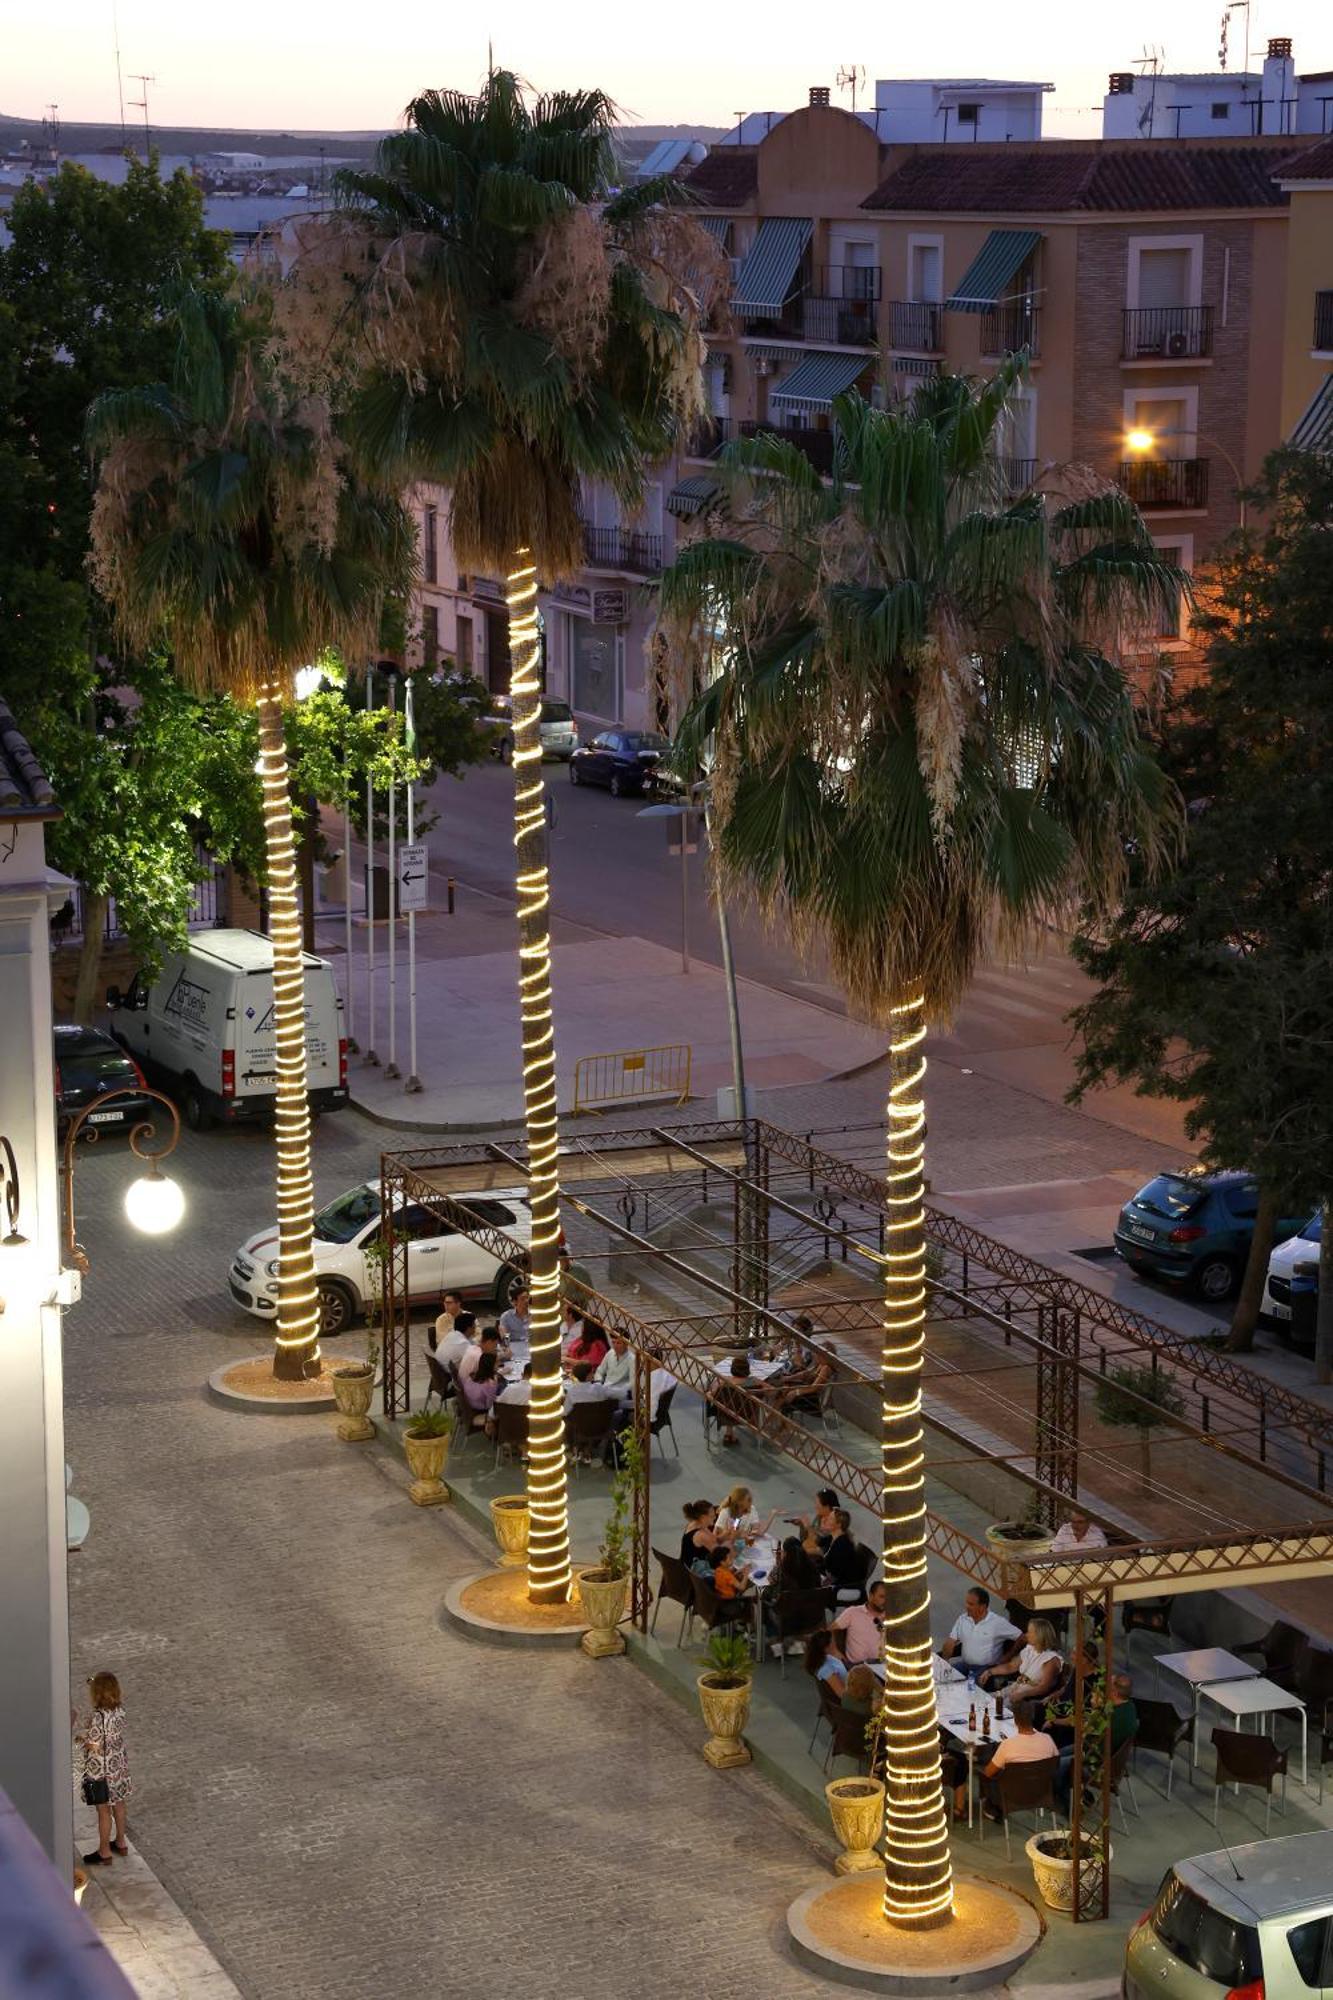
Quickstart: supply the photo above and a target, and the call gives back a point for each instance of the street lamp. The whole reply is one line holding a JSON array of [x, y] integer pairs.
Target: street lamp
[[153, 1203], [1140, 442]]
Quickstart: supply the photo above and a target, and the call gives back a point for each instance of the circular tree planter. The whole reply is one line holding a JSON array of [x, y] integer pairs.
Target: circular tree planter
[[857, 1806], [509, 1519], [839, 1931], [352, 1390], [1013, 1538], [603, 1597], [725, 1701], [425, 1462], [1053, 1870]]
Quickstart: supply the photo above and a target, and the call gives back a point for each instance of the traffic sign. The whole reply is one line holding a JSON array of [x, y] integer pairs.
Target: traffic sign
[[413, 869]]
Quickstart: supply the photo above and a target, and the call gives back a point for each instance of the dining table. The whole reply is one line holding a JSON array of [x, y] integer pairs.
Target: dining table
[[956, 1697], [1257, 1697], [1199, 1667]]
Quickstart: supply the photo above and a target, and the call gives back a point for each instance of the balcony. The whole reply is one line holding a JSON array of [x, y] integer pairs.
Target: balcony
[[1323, 322], [1004, 329], [708, 437], [1167, 333], [817, 445], [913, 328], [622, 549], [1017, 475], [1180, 483], [835, 306]]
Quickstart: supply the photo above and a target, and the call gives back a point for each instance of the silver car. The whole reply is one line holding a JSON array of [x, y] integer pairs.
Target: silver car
[[1252, 1923], [557, 728]]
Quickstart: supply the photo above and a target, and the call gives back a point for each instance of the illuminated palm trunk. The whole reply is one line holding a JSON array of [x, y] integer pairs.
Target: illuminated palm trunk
[[548, 1509], [297, 1350], [918, 1880]]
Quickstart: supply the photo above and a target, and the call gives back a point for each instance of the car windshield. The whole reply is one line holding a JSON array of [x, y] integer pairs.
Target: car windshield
[[90, 1058], [1209, 1942], [1312, 1230], [1170, 1195], [557, 711], [645, 739], [345, 1217]]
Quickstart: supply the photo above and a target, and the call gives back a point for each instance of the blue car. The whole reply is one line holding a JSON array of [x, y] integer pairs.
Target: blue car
[[1194, 1230]]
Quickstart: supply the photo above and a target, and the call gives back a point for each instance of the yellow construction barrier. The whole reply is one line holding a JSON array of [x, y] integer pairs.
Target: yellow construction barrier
[[628, 1074]]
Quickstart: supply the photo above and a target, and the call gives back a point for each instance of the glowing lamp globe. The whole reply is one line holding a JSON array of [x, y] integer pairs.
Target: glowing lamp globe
[[154, 1203], [1139, 440]]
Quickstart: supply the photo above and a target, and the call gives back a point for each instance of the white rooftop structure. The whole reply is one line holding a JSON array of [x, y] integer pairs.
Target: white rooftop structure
[[912, 111], [1221, 104]]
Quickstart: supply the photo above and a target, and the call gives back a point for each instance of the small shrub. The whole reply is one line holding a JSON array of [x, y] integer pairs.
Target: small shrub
[[729, 1658], [430, 1424]]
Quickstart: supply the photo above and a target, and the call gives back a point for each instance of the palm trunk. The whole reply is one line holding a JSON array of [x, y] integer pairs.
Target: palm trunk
[[90, 955], [1246, 1316], [1323, 1325], [296, 1353], [548, 1507], [918, 1885]]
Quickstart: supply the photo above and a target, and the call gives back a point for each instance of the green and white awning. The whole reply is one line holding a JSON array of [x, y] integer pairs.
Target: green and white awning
[[1314, 429], [987, 279], [690, 496], [818, 378], [768, 275], [718, 226]]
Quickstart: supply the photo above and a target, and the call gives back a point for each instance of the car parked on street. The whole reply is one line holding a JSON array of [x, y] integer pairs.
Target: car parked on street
[[1247, 1923], [439, 1259], [1291, 1289], [1193, 1229], [624, 760], [557, 728], [89, 1062]]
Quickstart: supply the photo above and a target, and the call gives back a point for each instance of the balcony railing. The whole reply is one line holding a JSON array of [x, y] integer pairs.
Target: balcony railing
[[1166, 482], [817, 445], [838, 322], [709, 435], [853, 283], [1016, 474], [1004, 329], [913, 328], [1167, 333], [1323, 321], [623, 549]]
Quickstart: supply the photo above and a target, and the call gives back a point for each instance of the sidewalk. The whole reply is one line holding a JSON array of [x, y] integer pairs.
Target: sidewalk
[[611, 993], [152, 1941]]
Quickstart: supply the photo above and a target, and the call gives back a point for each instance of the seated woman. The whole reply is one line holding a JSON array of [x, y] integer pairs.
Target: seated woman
[[802, 1389], [1036, 1672], [843, 1564], [821, 1524], [826, 1660], [481, 1388], [798, 1565], [863, 1692], [588, 1344], [738, 1515], [699, 1540], [724, 1405]]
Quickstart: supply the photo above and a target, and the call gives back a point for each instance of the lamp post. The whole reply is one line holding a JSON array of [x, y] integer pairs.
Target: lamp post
[[1141, 442], [154, 1203]]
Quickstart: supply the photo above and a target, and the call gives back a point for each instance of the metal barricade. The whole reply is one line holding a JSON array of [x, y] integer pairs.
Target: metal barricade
[[626, 1076]]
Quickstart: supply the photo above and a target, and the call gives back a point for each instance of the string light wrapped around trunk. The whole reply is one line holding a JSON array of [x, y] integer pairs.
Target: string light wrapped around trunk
[[297, 1351], [918, 1878], [549, 1580]]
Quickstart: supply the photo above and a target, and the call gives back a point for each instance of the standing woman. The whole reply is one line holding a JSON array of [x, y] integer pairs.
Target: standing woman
[[106, 1770]]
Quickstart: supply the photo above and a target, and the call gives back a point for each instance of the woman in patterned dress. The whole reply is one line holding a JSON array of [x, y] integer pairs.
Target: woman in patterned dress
[[106, 1770]]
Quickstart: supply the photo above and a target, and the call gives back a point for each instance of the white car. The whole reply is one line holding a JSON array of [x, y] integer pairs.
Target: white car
[[439, 1259], [1295, 1262]]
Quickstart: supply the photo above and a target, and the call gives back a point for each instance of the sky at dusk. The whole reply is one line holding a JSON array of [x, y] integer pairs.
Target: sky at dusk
[[341, 66]]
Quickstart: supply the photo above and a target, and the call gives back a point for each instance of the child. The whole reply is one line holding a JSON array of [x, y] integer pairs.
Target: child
[[728, 1581]]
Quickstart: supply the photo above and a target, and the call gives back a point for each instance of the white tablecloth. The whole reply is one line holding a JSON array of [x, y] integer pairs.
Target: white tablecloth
[[760, 1371], [954, 1702]]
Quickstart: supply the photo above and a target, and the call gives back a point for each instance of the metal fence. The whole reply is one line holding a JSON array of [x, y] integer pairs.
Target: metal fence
[[208, 907]]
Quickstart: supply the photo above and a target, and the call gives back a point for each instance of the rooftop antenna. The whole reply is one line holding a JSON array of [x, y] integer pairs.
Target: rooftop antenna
[[1233, 7], [141, 104], [120, 81], [1150, 62], [851, 77]]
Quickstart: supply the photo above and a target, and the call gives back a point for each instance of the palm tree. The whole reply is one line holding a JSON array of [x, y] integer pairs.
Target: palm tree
[[526, 332], [225, 525], [922, 744]]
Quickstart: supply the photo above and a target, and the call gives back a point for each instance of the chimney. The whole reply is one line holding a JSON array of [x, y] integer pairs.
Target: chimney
[[819, 93], [1279, 47], [1277, 102], [1122, 83]]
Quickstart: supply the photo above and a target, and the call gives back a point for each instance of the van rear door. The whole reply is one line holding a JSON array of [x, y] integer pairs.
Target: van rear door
[[256, 1045]]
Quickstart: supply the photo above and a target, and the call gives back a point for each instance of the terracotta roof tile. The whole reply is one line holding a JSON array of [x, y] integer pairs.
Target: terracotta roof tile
[[1046, 178], [727, 177], [1316, 164]]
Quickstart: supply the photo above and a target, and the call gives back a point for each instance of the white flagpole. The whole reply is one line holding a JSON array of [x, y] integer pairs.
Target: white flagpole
[[371, 1056], [413, 1083], [391, 1067], [349, 1018]]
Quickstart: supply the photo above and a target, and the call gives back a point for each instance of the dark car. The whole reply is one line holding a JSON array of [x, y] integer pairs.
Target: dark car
[[1193, 1229], [621, 759], [89, 1062]]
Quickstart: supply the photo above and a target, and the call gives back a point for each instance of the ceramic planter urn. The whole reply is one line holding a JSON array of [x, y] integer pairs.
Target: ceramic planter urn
[[425, 1461], [857, 1806], [509, 1518], [352, 1391], [726, 1708], [1055, 1876], [603, 1599]]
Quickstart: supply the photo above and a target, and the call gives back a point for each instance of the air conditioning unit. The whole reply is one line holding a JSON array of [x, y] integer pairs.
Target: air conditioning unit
[[1177, 346]]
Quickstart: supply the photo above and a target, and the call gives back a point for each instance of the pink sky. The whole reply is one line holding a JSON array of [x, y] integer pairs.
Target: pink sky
[[286, 65]]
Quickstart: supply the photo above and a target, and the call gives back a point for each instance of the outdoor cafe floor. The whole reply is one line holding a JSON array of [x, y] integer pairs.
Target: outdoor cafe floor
[[783, 1705]]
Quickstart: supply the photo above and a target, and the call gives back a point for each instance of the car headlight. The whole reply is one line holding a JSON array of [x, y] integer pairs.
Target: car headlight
[[272, 1267]]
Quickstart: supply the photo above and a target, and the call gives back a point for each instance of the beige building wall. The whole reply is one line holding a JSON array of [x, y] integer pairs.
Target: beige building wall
[[1309, 269]]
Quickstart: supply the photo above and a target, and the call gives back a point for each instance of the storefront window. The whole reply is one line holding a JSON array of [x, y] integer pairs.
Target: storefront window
[[592, 650]]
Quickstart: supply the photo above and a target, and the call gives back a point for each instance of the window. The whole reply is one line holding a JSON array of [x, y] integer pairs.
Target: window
[[1242, 1201], [1169, 621], [1312, 1948], [415, 1224], [430, 545], [465, 653], [969, 114], [430, 635], [594, 688], [925, 271], [1221, 111], [493, 1212], [1164, 271], [1218, 1946]]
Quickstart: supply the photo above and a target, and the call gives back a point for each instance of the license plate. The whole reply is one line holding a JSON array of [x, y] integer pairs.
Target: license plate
[[106, 1118], [1144, 1234], [1279, 1311]]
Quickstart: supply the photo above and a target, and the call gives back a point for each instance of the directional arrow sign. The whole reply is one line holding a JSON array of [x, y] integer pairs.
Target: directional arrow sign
[[412, 876]]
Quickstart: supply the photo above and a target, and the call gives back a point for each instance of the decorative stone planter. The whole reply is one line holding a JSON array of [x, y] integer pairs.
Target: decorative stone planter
[[352, 1391], [726, 1710], [509, 1518], [857, 1806], [1055, 1876], [603, 1600], [425, 1461], [1019, 1547]]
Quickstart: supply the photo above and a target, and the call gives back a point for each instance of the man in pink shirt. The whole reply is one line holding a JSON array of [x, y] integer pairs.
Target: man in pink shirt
[[864, 1626]]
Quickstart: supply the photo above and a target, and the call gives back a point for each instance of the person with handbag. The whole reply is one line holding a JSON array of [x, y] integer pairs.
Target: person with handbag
[[106, 1770]]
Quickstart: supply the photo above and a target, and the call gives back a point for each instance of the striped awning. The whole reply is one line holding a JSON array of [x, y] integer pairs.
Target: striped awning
[[818, 378], [689, 497], [769, 272], [1314, 429], [993, 269], [718, 226]]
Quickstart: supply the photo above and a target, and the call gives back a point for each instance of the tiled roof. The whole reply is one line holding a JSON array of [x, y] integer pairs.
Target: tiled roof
[[1046, 178], [727, 178], [1316, 164], [25, 789]]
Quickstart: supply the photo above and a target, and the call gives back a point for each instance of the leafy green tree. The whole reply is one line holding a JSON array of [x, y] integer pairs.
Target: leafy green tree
[[1139, 1399], [1216, 979], [922, 743]]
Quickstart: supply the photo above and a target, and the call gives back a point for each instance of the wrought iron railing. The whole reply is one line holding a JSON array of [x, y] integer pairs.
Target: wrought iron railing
[[1016, 474], [914, 327], [1166, 482], [1168, 333], [838, 322], [1004, 329], [817, 445], [622, 548]]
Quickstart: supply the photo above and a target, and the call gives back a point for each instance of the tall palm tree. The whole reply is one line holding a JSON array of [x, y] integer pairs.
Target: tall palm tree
[[225, 525], [526, 331], [923, 743]]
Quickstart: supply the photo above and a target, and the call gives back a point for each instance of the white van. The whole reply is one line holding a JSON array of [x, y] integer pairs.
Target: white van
[[204, 1029]]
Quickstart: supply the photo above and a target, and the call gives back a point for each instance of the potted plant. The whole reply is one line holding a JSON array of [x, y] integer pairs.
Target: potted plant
[[509, 1519], [1026, 1537], [1052, 1858], [724, 1697], [857, 1806], [353, 1386], [603, 1588], [426, 1442]]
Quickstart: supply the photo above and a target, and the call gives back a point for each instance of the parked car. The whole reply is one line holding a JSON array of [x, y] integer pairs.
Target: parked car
[[88, 1062], [1292, 1286], [624, 760], [1247, 1923], [557, 728], [1193, 1229], [439, 1259]]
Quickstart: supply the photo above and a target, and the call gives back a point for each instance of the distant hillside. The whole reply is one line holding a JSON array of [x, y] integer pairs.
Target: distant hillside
[[634, 140]]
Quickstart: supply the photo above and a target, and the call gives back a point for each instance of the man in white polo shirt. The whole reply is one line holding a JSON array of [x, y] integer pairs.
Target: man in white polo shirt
[[981, 1636]]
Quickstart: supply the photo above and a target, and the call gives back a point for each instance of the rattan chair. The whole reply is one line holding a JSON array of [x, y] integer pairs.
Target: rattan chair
[[440, 1384], [1282, 1650], [662, 1420], [511, 1429], [1243, 1759], [798, 1613], [675, 1586], [1021, 1788], [588, 1428]]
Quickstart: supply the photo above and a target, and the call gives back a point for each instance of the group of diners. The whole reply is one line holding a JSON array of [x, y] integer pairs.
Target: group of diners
[[804, 1369], [730, 1547]]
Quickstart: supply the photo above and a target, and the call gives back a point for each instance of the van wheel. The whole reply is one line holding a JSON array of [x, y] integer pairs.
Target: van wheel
[[337, 1308], [197, 1114]]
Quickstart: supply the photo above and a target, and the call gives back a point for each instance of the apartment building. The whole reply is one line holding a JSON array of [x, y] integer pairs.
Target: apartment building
[[1307, 358], [1269, 102]]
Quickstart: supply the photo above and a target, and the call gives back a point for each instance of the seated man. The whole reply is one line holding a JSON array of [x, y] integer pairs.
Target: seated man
[[516, 1323], [444, 1324], [1123, 1724], [453, 1346], [487, 1342], [615, 1370], [580, 1387], [1080, 1531], [1029, 1745], [520, 1391], [981, 1637], [864, 1627]]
